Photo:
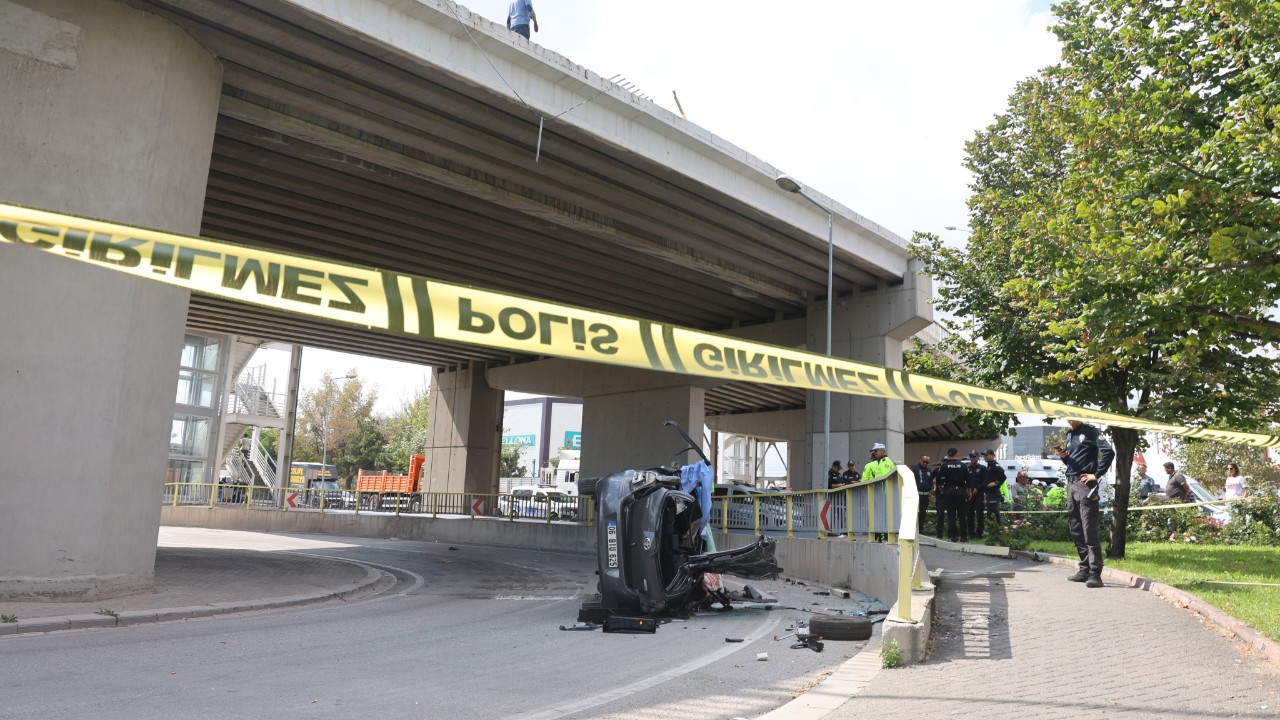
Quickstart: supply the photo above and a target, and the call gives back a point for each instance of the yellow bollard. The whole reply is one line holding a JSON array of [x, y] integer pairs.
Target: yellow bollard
[[891, 489], [905, 561]]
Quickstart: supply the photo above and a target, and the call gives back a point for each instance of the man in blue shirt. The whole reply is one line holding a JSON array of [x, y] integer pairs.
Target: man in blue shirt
[[1087, 456], [519, 14]]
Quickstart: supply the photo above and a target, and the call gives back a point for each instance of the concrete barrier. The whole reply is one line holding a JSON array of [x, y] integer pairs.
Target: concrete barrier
[[478, 531]]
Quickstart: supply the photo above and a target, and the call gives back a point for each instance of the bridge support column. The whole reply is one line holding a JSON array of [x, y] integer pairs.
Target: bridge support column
[[110, 113], [622, 409], [870, 327], [464, 432], [624, 429]]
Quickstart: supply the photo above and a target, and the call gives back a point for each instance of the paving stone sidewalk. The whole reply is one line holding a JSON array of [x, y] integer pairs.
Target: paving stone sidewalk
[[201, 576], [1036, 646]]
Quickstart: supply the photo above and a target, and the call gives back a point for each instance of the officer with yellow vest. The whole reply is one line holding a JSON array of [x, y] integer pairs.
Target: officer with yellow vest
[[879, 466]]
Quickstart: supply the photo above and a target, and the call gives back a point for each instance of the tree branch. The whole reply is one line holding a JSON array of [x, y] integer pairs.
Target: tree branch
[[1260, 323]]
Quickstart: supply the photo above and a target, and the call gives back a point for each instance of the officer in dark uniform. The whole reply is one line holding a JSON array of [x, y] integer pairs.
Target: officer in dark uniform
[[1087, 456], [951, 480], [975, 497], [924, 487], [995, 480], [833, 476]]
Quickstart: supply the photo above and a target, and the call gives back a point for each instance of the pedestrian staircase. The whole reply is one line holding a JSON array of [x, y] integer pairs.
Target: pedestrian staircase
[[250, 405]]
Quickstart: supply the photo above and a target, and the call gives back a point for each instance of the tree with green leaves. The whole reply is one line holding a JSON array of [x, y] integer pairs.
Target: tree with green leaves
[[406, 433], [328, 415], [510, 462], [1125, 222]]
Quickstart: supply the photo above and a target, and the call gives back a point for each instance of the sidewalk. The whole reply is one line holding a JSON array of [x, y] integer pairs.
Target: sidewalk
[[1036, 646], [193, 581]]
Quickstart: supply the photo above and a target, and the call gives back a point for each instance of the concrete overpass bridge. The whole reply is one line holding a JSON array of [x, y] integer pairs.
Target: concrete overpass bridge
[[407, 134]]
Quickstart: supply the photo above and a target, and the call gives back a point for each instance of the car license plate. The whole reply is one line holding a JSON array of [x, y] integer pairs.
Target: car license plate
[[611, 533]]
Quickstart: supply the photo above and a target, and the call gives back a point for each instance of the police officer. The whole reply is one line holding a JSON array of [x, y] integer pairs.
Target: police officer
[[995, 481], [924, 488], [951, 480], [833, 476], [1087, 456], [975, 496]]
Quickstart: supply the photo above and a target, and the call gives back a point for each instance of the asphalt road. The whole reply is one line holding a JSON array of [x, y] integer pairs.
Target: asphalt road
[[465, 633]]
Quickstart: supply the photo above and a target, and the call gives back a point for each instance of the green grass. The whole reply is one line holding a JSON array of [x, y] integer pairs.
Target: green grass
[[1187, 566]]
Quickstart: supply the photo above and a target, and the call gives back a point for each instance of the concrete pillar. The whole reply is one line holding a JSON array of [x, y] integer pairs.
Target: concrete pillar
[[869, 326], [464, 432], [625, 429], [622, 409], [110, 113]]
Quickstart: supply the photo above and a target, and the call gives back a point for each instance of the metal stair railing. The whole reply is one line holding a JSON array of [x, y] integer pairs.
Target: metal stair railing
[[263, 462]]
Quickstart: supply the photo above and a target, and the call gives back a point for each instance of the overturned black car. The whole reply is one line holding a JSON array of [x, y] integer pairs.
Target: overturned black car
[[651, 542]]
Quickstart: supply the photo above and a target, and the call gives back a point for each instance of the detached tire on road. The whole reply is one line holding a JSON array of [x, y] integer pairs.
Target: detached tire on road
[[840, 627]]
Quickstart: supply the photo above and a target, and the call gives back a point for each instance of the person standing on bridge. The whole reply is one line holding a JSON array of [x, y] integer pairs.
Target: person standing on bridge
[[519, 15], [1087, 457]]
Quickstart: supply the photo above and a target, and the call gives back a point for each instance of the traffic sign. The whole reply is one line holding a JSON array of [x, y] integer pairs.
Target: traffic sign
[[291, 499], [476, 507], [826, 524]]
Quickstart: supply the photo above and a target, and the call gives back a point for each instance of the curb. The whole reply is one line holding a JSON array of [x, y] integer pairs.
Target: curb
[[1262, 644], [374, 581]]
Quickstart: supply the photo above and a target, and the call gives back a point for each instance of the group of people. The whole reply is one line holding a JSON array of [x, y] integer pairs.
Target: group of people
[[879, 466], [1177, 489], [964, 493]]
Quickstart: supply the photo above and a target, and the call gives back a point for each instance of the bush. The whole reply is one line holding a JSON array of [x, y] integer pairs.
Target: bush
[[1018, 531]]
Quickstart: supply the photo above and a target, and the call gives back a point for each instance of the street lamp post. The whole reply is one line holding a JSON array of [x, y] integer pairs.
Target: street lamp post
[[790, 185], [324, 426]]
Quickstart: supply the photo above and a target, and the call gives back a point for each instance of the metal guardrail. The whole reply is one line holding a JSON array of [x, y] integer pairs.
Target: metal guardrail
[[885, 507], [572, 508]]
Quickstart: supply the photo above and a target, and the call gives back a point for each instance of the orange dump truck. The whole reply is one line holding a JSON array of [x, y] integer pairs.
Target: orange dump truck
[[389, 492]]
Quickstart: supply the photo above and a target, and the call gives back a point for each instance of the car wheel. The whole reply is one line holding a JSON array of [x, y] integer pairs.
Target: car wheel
[[555, 515], [415, 505], [840, 627]]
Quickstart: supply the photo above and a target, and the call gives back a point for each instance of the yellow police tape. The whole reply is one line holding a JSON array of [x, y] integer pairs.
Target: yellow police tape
[[1132, 508], [416, 306]]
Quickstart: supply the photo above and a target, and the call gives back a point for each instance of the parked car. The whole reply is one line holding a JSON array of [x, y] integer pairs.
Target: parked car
[[650, 554], [334, 497], [538, 502], [1218, 513]]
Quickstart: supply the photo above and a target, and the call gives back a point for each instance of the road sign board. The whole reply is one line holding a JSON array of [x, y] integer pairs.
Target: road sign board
[[476, 507], [291, 500], [826, 524]]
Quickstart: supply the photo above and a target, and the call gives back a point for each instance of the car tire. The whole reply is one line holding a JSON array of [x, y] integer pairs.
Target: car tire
[[587, 486], [415, 505], [840, 627]]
